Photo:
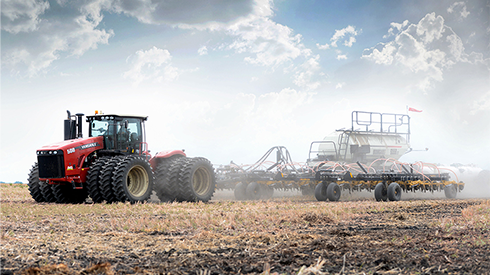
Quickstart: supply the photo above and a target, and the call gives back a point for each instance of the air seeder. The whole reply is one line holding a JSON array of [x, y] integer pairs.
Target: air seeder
[[363, 157], [113, 164]]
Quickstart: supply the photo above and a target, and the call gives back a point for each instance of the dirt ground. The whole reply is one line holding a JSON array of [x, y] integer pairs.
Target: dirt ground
[[417, 237]]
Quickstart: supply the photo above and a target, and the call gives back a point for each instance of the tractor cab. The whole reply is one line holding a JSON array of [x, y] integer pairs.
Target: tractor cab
[[122, 134]]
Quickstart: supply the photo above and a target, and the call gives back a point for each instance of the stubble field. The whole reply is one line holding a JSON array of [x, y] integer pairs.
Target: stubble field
[[284, 235]]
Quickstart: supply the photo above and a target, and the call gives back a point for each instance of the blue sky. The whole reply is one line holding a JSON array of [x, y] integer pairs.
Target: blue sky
[[229, 79]]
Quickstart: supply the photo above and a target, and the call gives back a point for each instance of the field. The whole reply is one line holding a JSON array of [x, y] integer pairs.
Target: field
[[284, 235]]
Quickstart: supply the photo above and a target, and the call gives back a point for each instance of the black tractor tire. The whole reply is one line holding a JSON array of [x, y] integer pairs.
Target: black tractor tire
[[450, 191], [321, 191], [66, 194], [197, 180], [47, 191], [164, 188], [241, 191], [254, 191], [381, 192], [174, 174], [333, 191], [106, 180], [34, 184], [93, 179], [133, 179], [394, 192]]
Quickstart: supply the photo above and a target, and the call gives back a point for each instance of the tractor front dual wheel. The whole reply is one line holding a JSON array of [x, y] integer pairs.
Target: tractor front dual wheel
[[133, 179]]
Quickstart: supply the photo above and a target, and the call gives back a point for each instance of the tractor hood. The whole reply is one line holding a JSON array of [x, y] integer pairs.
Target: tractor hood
[[72, 145]]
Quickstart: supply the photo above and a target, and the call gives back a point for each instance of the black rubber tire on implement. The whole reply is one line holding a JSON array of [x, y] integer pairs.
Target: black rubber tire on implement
[[133, 179], [394, 192], [93, 179], [66, 194], [164, 188], [106, 180], [197, 180], [321, 191], [333, 191], [381, 192], [34, 184], [241, 191], [254, 191], [267, 192], [450, 191]]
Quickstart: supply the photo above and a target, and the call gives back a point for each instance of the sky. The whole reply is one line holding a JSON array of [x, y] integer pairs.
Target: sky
[[229, 79]]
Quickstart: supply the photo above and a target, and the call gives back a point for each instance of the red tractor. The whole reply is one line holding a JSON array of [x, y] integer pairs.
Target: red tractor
[[113, 164]]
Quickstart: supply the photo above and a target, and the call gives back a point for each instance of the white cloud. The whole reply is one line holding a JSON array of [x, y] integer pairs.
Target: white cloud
[[209, 14], [22, 15], [346, 35], [153, 64], [306, 76], [270, 43], [481, 104], [50, 37], [323, 47], [341, 57], [202, 50], [461, 7], [339, 85], [349, 31], [426, 49]]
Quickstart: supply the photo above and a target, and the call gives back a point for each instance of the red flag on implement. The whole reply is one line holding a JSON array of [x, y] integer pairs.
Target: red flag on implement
[[414, 110]]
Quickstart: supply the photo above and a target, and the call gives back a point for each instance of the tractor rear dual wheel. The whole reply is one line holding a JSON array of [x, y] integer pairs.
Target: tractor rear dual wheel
[[165, 184], [185, 179], [197, 181]]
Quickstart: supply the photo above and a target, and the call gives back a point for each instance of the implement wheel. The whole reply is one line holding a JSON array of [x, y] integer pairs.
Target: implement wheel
[[333, 191], [133, 179], [394, 192], [321, 191], [254, 191], [450, 191], [241, 191], [381, 192]]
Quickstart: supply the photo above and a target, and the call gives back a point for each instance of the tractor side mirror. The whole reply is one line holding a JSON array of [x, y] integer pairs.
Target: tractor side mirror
[[126, 124]]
